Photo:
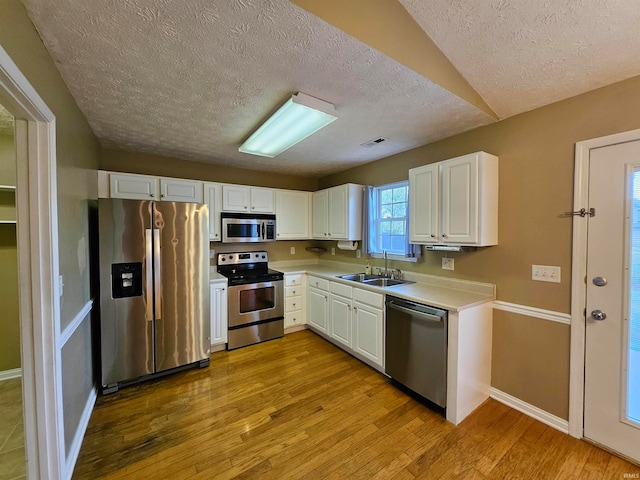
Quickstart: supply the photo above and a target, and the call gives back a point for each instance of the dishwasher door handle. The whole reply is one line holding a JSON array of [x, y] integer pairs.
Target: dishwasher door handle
[[416, 313]]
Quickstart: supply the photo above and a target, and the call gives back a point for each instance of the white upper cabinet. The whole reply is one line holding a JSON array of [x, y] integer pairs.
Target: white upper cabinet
[[337, 213], [455, 201], [213, 198], [146, 187], [320, 215], [424, 185], [293, 215], [241, 198], [134, 187], [177, 190]]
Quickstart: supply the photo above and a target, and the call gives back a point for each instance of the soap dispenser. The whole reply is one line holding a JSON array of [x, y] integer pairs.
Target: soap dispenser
[[367, 269]]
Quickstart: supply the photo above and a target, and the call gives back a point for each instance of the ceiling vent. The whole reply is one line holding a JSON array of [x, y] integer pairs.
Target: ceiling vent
[[374, 142]]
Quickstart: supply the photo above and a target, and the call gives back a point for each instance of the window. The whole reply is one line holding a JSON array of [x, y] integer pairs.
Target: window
[[388, 220]]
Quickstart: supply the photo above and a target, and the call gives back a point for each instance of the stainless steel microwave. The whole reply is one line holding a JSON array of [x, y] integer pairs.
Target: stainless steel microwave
[[248, 227]]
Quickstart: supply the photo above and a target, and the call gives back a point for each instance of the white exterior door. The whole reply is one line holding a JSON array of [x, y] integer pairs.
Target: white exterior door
[[612, 343]]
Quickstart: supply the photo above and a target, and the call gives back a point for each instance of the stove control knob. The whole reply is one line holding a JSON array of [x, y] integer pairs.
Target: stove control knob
[[264, 256], [222, 259]]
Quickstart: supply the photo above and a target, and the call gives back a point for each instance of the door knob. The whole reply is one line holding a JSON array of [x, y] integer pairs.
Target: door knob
[[598, 315], [599, 281]]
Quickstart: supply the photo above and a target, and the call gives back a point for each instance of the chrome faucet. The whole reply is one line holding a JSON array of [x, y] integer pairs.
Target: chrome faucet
[[386, 271]]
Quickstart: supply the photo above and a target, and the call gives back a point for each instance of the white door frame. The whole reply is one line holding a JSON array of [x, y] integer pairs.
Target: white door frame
[[579, 272], [37, 236]]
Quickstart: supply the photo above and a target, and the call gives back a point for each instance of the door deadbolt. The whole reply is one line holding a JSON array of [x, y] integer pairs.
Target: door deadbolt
[[599, 281], [598, 315]]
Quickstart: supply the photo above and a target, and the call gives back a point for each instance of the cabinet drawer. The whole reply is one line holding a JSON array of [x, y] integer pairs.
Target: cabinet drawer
[[341, 289], [292, 280], [292, 291], [292, 303], [320, 283], [369, 298], [293, 318]]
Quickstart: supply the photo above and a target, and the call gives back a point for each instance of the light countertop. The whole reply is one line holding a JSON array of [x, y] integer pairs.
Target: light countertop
[[442, 292]]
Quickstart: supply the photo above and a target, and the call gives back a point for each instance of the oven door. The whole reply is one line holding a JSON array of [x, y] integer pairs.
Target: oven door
[[255, 302]]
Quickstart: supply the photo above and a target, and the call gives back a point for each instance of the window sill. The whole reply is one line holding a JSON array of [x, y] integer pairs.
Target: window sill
[[395, 258]]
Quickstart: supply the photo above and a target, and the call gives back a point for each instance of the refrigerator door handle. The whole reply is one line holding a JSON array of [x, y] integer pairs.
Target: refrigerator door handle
[[157, 273], [149, 272]]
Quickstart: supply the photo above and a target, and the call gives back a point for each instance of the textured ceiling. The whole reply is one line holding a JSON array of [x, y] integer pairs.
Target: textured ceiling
[[6, 122], [193, 78], [523, 54]]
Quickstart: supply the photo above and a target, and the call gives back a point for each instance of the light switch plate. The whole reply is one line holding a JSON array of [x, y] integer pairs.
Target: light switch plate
[[293, 250], [447, 263], [358, 254], [545, 273], [333, 250]]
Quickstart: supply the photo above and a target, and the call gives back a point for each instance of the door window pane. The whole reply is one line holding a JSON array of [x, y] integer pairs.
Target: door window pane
[[633, 385]]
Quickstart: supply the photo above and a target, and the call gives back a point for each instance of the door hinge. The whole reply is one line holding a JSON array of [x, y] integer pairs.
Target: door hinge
[[583, 212]]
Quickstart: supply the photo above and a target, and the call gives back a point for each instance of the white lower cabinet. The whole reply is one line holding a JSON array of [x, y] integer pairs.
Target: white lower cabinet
[[318, 303], [352, 318], [340, 307], [294, 302], [368, 325], [218, 307]]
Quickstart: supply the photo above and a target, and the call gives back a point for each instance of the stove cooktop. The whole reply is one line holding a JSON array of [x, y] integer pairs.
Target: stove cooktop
[[243, 268]]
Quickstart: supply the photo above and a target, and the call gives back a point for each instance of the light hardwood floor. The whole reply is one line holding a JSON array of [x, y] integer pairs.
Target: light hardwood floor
[[12, 459], [298, 407]]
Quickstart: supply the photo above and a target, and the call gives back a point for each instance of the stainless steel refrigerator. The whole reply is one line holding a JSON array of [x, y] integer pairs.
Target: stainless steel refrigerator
[[154, 288]]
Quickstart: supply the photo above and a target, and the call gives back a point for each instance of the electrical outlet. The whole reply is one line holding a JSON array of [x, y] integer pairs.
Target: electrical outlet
[[545, 273], [212, 253], [333, 250], [447, 263], [358, 254], [293, 250]]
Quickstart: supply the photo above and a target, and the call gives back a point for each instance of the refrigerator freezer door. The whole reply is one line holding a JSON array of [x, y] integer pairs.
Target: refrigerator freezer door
[[126, 331], [182, 326]]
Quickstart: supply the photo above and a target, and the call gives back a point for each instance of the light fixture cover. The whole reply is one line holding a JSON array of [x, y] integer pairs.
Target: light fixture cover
[[300, 116]]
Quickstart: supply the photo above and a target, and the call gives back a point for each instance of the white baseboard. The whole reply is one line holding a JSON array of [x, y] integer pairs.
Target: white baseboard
[[294, 328], [530, 410], [218, 347], [9, 374], [74, 451]]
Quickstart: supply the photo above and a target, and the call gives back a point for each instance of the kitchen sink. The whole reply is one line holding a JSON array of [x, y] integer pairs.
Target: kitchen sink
[[375, 280], [359, 277], [386, 282]]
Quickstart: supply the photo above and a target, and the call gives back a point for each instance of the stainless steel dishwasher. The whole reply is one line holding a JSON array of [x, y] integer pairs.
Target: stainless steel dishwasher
[[416, 348]]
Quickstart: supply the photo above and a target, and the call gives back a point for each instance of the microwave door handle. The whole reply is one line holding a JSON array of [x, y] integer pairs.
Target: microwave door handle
[[263, 226]]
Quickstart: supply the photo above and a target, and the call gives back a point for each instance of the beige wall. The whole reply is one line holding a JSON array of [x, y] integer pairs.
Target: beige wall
[[77, 160], [536, 151], [143, 163]]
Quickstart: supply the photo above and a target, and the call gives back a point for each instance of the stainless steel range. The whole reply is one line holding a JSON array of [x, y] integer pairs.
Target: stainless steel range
[[256, 298]]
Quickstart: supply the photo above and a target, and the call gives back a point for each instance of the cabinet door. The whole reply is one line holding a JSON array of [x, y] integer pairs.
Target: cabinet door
[[339, 212], [235, 198], [424, 204], [292, 213], [317, 312], [133, 187], [320, 215], [218, 313], [340, 319], [213, 198], [262, 200], [368, 326], [175, 190], [460, 200]]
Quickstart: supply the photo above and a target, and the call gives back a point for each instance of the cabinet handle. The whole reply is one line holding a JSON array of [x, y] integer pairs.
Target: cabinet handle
[[151, 195], [245, 207], [162, 195], [444, 235], [294, 304], [433, 236], [253, 208], [355, 309]]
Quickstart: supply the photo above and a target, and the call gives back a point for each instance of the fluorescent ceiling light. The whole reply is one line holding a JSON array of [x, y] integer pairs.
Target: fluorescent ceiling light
[[301, 116]]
